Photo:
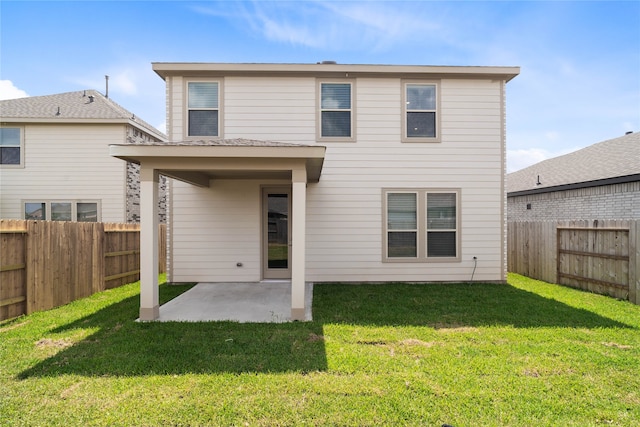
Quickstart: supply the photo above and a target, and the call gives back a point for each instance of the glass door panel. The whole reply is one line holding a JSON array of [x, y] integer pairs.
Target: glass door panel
[[276, 226]]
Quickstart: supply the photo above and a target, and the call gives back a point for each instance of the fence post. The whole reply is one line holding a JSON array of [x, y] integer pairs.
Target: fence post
[[634, 262], [32, 260], [97, 273]]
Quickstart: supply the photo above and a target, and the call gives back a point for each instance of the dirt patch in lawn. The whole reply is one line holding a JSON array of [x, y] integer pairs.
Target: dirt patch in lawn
[[50, 343]]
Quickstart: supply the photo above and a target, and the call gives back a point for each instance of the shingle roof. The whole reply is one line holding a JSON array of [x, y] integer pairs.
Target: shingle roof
[[84, 106], [235, 142], [618, 157]]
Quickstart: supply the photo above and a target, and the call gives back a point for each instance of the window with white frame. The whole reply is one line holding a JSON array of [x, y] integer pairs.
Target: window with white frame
[[203, 109], [62, 210], [420, 115], [336, 111], [421, 225], [11, 147]]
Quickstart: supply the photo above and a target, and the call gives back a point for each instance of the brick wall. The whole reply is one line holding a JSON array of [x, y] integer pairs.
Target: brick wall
[[135, 136], [617, 201]]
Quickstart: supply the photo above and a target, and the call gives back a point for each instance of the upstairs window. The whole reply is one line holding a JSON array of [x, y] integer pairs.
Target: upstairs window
[[336, 111], [421, 225], [420, 112], [203, 107], [10, 146]]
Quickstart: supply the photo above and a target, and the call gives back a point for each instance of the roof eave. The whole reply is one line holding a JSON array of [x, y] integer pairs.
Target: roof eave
[[577, 185], [48, 120], [192, 69]]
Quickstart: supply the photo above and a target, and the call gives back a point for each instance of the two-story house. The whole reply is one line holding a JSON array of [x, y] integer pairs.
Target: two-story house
[[327, 173], [55, 163]]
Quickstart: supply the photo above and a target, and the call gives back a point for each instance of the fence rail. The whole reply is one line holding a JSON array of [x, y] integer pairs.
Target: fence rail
[[598, 256], [45, 264]]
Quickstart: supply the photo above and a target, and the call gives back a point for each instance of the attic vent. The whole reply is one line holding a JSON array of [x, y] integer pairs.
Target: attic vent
[[629, 132], [91, 98], [328, 62]]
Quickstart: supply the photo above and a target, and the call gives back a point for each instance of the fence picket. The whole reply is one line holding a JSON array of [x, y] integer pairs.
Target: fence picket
[[598, 256], [44, 264]]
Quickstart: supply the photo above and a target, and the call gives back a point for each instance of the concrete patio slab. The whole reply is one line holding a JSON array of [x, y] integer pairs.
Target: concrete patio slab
[[258, 302]]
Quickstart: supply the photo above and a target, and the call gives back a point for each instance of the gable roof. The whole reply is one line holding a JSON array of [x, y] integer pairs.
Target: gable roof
[[607, 162], [88, 106]]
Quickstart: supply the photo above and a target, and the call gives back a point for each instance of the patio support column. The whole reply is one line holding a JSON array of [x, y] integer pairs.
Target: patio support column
[[298, 243], [149, 300]]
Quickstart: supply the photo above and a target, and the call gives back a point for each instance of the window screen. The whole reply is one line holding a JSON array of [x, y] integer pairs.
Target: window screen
[[402, 225], [421, 110], [203, 106], [9, 146], [335, 106]]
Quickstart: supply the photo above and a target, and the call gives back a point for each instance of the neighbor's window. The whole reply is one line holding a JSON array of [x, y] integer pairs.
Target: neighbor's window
[[203, 107], [87, 212], [60, 211], [10, 146], [336, 108], [420, 112], [421, 225], [35, 211], [51, 210]]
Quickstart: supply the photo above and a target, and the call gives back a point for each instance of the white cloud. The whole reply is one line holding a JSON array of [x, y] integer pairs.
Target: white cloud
[[9, 91], [330, 25]]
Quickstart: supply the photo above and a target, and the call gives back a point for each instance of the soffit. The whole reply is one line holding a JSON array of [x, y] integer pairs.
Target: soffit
[[198, 69], [197, 162]]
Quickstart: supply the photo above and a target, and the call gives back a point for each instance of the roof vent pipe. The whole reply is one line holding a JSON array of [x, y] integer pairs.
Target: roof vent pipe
[[106, 94]]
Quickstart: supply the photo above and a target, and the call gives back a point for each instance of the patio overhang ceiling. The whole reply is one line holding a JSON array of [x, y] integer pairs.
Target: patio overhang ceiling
[[198, 162]]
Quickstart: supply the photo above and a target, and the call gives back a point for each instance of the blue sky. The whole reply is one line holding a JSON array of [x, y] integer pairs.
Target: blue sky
[[580, 61]]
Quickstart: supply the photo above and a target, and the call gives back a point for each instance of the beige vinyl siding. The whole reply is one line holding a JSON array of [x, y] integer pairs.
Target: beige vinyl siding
[[175, 108], [270, 108], [214, 229], [67, 162], [344, 210]]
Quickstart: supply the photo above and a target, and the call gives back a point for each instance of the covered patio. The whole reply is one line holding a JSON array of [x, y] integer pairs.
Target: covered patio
[[268, 301], [199, 162]]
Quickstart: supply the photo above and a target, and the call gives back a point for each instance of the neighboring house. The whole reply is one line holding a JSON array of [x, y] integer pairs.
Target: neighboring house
[[378, 172], [55, 163], [601, 181]]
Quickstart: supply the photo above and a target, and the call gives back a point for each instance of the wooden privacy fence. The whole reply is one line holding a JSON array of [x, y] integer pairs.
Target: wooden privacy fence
[[45, 264], [601, 256]]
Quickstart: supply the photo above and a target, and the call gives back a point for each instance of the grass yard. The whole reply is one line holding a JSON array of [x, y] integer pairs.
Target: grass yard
[[524, 354]]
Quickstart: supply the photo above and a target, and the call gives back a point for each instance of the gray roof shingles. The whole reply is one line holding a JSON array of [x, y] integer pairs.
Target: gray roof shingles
[[612, 158], [81, 105]]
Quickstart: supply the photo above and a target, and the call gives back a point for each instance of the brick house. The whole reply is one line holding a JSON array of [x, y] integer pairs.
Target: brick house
[[601, 181]]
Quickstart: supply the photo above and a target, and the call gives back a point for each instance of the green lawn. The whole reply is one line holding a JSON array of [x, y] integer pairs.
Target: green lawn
[[524, 354]]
